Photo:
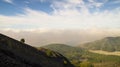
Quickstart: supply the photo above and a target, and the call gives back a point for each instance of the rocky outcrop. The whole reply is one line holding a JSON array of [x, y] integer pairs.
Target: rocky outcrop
[[14, 53]]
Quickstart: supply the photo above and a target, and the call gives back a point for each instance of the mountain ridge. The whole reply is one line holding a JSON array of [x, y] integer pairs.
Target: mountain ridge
[[105, 44], [23, 55]]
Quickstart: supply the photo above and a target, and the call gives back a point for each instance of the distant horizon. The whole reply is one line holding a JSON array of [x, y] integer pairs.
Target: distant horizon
[[69, 37]]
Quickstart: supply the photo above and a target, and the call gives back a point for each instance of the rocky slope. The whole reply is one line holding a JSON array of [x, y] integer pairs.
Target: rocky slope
[[17, 54]]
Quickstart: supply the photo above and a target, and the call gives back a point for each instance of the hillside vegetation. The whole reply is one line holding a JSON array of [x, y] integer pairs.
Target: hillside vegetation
[[107, 44], [79, 56]]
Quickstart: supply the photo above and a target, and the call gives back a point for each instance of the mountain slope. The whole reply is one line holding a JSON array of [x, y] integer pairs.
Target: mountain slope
[[68, 51], [72, 53], [62, 48], [77, 56], [106, 44], [17, 54]]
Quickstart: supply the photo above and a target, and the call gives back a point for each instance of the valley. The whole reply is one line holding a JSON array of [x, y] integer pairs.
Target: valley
[[59, 55], [116, 53], [79, 55]]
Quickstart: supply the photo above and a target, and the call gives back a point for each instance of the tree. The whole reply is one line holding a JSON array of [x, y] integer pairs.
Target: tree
[[22, 40]]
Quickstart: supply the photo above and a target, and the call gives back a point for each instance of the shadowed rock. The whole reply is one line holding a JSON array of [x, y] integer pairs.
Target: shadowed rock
[[14, 53]]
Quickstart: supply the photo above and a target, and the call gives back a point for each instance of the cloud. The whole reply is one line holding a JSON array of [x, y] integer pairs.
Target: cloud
[[66, 14], [65, 18], [97, 3], [70, 22], [8, 1], [40, 37]]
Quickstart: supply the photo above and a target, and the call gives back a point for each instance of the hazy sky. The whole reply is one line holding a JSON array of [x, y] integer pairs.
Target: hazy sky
[[73, 20]]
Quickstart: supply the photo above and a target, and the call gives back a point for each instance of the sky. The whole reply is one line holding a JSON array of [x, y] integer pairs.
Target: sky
[[60, 21]]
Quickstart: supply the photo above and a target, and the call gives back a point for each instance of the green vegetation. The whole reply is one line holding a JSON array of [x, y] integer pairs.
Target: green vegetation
[[64, 61], [107, 44], [13, 52], [86, 64], [79, 56], [22, 40], [49, 52]]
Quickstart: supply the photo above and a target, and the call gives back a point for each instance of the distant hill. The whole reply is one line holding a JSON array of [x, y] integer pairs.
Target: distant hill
[[68, 51], [105, 44], [63, 49], [78, 55], [74, 54], [17, 54]]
